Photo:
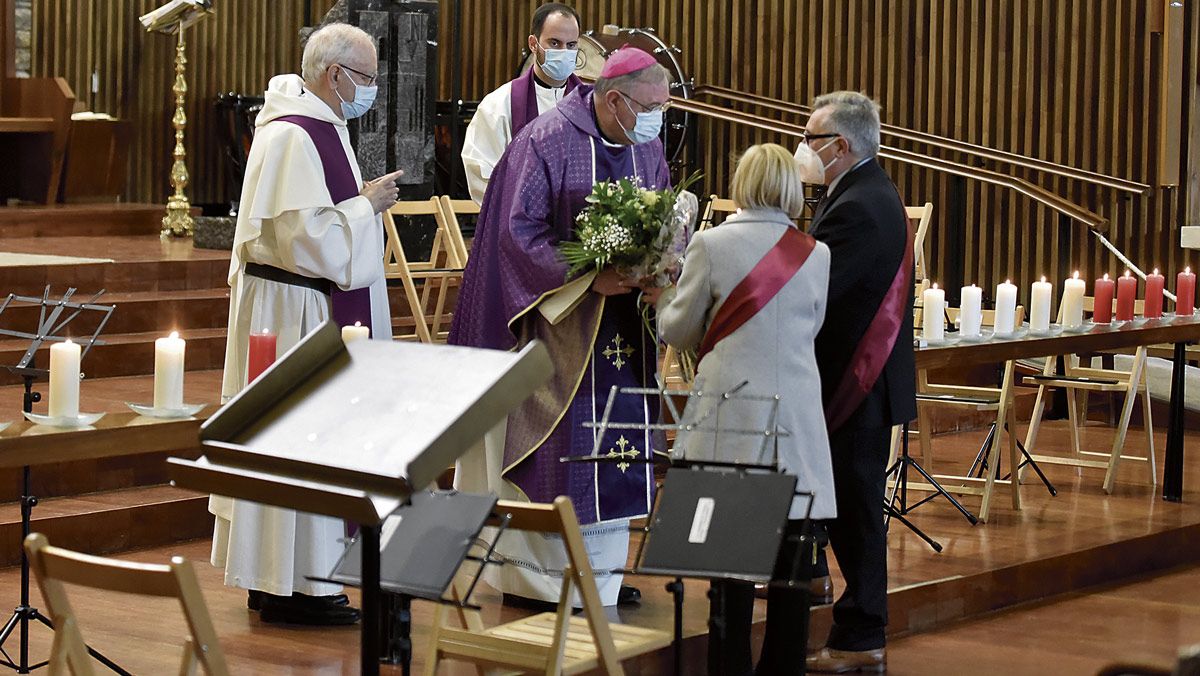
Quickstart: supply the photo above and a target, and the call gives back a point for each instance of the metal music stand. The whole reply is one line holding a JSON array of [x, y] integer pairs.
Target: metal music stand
[[354, 431], [724, 523], [51, 323]]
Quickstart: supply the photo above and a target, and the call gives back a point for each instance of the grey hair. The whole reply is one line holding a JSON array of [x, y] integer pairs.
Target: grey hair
[[655, 74], [330, 45], [856, 117]]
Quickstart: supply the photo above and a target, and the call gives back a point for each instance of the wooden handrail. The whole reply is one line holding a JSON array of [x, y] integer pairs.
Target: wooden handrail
[[1038, 194], [941, 142]]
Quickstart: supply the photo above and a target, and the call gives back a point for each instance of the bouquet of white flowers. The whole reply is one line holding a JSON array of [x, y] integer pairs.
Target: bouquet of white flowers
[[642, 233]]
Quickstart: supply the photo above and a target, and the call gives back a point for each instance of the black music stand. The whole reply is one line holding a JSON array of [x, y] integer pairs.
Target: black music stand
[[354, 431], [51, 323]]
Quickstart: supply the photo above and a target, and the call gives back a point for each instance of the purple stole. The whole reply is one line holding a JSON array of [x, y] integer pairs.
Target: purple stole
[[354, 305], [876, 345], [522, 99], [774, 270]]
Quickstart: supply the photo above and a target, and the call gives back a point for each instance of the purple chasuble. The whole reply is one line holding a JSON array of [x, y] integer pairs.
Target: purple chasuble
[[522, 99], [539, 186], [354, 305]]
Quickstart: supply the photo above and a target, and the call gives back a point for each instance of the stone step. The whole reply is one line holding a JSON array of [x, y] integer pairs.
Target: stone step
[[126, 354], [110, 521], [81, 220], [139, 312]]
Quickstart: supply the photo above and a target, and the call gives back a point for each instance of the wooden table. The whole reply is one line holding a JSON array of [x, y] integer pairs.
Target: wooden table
[[1176, 331], [25, 444]]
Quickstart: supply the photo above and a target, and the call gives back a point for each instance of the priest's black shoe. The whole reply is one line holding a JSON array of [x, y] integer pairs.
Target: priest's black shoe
[[254, 600], [629, 596], [311, 610]]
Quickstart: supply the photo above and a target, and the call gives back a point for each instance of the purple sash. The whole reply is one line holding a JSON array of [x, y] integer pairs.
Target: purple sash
[[522, 99], [354, 305], [873, 351], [769, 275]]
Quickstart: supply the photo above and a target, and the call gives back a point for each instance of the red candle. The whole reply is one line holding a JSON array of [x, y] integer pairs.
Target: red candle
[[1126, 292], [1185, 293], [262, 354], [1154, 295], [1102, 309]]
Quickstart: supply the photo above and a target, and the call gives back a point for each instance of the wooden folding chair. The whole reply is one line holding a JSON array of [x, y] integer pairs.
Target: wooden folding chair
[[923, 216], [54, 568], [1078, 380], [451, 210], [442, 270], [548, 643], [716, 205]]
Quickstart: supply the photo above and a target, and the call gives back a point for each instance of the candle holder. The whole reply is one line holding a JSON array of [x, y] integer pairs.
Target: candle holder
[[149, 411], [1086, 326], [81, 420]]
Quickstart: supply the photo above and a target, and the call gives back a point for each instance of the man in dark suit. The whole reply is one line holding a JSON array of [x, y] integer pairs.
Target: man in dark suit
[[865, 355]]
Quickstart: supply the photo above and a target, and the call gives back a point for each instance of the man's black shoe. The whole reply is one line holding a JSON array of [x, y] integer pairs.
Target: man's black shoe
[[629, 596], [311, 610], [254, 600]]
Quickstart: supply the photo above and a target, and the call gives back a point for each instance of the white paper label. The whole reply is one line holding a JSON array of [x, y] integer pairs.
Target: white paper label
[[701, 520]]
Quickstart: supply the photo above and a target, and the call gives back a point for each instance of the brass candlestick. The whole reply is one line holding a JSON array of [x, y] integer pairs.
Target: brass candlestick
[[178, 221]]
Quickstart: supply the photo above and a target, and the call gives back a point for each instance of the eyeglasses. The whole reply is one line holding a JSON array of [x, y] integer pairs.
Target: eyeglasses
[[656, 108], [370, 78], [809, 138]]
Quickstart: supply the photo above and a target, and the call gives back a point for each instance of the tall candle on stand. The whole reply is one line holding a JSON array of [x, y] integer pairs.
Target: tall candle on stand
[[64, 380], [1185, 293], [1155, 283], [1072, 301], [356, 332], [933, 304], [262, 354], [1102, 310], [1126, 293], [970, 315], [168, 372], [1006, 308], [1039, 306]]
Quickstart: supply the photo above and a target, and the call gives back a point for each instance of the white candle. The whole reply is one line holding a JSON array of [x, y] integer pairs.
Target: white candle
[[1006, 308], [970, 314], [356, 332], [168, 372], [1072, 301], [1039, 306], [64, 380], [933, 303]]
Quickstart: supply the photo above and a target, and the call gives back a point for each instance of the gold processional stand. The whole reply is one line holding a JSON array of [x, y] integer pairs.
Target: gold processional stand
[[173, 18]]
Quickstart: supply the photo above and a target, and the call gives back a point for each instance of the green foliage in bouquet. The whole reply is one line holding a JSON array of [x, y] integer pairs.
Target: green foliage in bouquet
[[625, 226]]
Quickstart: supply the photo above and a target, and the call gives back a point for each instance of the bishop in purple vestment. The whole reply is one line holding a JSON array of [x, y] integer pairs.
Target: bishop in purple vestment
[[515, 273]]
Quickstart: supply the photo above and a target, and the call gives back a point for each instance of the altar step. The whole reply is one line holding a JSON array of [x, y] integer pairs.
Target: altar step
[[81, 220], [110, 521], [127, 354]]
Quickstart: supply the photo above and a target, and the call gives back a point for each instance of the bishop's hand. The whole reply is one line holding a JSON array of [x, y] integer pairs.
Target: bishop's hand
[[382, 192], [610, 283]]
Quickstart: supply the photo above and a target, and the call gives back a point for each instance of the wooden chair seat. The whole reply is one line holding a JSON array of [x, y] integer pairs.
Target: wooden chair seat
[[534, 638]]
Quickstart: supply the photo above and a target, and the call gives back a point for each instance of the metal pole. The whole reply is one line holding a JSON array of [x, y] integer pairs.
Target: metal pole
[[1173, 467], [369, 653]]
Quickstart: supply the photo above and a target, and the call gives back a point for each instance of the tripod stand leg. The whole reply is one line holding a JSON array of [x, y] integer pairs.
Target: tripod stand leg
[[891, 512], [979, 465], [943, 492]]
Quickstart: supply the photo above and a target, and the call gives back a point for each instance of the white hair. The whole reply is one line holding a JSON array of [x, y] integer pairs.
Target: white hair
[[331, 45], [856, 117]]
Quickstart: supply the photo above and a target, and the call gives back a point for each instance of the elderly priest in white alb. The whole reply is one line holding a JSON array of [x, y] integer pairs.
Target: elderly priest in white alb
[[308, 248]]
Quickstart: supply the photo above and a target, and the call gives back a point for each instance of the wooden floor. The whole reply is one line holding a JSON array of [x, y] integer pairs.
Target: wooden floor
[[1055, 545]]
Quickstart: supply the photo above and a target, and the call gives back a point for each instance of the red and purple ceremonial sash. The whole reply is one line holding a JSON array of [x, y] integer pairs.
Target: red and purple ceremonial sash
[[522, 99], [876, 345], [354, 305], [774, 270]]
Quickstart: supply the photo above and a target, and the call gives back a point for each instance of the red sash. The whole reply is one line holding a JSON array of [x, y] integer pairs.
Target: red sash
[[876, 345], [759, 286]]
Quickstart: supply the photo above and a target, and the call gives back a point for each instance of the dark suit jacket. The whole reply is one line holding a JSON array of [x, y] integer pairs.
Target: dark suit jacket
[[865, 226]]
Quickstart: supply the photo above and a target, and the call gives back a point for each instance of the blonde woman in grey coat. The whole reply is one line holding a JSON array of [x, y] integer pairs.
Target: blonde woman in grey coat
[[751, 298]]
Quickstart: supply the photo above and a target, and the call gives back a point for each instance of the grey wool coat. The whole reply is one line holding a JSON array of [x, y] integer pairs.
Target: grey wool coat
[[772, 352]]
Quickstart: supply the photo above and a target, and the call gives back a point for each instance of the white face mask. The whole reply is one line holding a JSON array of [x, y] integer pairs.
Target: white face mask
[[558, 64], [812, 170]]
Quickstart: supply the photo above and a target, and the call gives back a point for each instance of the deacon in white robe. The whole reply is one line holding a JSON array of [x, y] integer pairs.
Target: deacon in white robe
[[299, 242], [553, 37]]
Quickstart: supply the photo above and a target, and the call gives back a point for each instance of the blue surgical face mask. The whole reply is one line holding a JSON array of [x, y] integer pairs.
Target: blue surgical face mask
[[364, 98], [647, 126], [558, 64]]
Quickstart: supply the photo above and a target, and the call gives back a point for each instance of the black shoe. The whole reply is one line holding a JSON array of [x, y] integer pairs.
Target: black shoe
[[514, 601], [629, 596], [254, 600], [311, 610]]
